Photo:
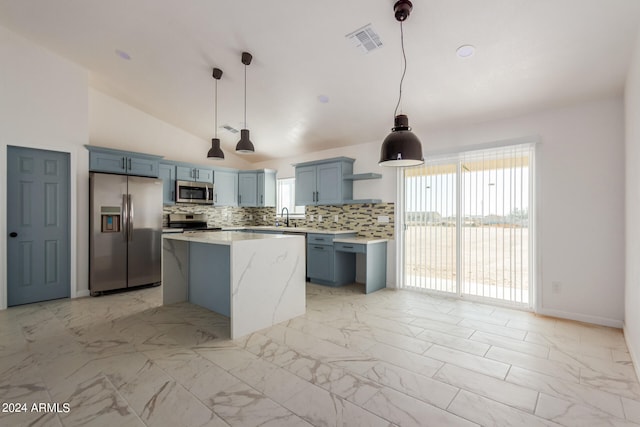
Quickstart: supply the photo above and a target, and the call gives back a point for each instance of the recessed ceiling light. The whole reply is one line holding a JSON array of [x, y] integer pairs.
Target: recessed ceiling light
[[122, 54], [323, 98], [465, 51]]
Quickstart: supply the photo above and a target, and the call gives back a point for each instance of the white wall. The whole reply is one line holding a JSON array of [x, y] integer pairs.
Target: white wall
[[632, 157], [580, 203], [580, 199], [114, 124], [43, 104]]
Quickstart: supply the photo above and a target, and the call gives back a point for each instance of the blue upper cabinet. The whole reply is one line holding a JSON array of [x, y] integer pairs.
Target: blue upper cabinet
[[122, 162], [322, 182], [167, 172], [226, 188], [267, 188], [247, 188], [305, 185], [194, 173]]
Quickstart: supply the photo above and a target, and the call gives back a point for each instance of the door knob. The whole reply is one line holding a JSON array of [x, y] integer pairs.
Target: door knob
[[13, 234]]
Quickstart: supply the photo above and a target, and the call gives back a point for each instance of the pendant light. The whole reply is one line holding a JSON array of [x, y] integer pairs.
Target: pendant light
[[245, 146], [401, 147], [216, 152]]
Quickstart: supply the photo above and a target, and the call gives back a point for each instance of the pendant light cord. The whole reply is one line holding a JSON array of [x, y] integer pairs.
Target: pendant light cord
[[245, 96], [404, 71], [215, 114]]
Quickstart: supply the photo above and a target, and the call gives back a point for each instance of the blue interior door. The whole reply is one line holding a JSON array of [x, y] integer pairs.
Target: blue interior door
[[38, 252]]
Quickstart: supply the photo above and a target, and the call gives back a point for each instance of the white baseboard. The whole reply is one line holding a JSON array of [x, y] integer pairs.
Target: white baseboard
[[634, 359], [603, 321], [83, 293]]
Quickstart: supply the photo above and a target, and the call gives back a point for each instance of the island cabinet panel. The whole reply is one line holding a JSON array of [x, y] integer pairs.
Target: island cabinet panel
[[209, 277], [167, 172], [257, 280], [122, 162], [247, 189], [226, 188]]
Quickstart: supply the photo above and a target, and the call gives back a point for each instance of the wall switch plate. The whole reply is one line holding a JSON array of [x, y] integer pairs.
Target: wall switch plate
[[264, 217], [319, 218], [384, 219], [310, 217], [335, 218]]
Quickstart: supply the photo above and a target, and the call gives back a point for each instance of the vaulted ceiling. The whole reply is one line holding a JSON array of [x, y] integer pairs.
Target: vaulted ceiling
[[530, 55]]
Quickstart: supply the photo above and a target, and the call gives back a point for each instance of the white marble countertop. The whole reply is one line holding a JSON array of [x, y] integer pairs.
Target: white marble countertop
[[290, 229], [359, 240], [222, 237]]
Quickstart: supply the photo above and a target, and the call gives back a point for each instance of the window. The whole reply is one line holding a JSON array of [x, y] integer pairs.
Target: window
[[287, 198]]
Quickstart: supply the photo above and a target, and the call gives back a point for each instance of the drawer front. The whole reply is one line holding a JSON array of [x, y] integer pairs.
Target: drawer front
[[350, 247], [321, 239]]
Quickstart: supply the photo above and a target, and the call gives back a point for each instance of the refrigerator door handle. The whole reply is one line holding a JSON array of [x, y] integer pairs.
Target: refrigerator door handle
[[131, 217], [125, 217]]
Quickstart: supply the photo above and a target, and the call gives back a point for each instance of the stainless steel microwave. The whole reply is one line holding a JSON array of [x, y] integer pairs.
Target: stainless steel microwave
[[194, 192]]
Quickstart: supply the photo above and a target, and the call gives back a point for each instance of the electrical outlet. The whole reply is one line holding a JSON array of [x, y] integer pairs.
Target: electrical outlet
[[250, 216], [335, 218], [556, 287], [384, 219], [310, 217], [264, 217], [319, 218]]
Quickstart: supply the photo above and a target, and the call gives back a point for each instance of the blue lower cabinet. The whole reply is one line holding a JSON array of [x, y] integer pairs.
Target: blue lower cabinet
[[327, 266], [320, 263]]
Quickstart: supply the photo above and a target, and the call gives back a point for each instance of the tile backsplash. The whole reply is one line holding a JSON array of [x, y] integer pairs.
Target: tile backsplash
[[362, 218]]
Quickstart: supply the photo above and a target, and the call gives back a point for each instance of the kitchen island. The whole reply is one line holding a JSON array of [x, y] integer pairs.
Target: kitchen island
[[257, 280]]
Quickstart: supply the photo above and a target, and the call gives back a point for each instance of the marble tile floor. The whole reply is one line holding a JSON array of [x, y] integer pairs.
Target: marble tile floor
[[388, 358]]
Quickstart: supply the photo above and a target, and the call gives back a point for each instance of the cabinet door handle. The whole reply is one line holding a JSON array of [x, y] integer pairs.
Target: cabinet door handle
[[317, 196], [348, 247], [261, 199], [129, 164], [320, 239], [124, 167], [318, 247], [173, 195], [313, 196]]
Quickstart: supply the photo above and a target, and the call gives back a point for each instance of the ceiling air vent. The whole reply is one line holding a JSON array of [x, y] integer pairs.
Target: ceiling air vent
[[365, 39], [229, 128]]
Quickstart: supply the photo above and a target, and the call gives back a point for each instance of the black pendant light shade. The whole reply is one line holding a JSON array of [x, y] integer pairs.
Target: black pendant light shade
[[215, 152], [401, 147], [245, 146]]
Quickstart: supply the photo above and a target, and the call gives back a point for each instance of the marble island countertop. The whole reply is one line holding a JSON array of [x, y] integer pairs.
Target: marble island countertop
[[289, 229], [222, 237]]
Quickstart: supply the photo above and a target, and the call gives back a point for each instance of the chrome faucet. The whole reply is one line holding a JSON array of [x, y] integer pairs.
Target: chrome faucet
[[282, 213]]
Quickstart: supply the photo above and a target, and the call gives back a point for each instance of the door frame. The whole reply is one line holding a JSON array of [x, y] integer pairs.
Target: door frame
[[73, 156]]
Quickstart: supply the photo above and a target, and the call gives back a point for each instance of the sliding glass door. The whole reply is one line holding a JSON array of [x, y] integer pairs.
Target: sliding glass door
[[467, 224]]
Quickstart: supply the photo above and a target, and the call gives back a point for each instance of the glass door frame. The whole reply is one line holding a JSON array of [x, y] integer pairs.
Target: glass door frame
[[534, 235]]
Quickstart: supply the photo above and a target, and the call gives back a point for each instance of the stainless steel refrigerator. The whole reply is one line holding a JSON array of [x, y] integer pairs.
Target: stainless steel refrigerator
[[125, 224]]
